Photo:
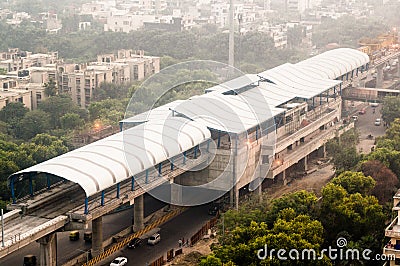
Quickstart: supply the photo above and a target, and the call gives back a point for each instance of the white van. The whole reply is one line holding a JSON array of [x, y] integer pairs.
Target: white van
[[154, 239]]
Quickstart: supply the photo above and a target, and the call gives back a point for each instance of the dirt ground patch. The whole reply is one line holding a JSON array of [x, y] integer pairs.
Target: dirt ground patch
[[312, 182]]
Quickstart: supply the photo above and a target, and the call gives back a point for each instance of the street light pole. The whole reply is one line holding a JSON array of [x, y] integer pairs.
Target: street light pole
[[85, 251]]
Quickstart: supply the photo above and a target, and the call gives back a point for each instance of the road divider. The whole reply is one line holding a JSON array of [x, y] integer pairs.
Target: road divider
[[137, 234]]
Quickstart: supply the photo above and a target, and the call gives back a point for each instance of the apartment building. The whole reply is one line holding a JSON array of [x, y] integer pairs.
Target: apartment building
[[392, 248], [278, 33], [81, 81], [125, 21], [15, 60]]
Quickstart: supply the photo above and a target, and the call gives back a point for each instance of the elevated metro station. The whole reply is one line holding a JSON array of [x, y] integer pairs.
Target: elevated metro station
[[236, 135]]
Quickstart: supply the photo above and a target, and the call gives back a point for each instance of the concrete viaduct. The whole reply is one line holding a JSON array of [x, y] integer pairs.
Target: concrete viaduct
[[237, 135]]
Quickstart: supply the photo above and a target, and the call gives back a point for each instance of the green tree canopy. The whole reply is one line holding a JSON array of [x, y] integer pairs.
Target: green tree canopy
[[355, 182], [50, 88], [13, 112], [34, 122], [390, 109]]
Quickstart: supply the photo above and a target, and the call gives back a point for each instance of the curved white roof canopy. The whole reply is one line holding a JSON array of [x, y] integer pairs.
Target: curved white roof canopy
[[334, 63], [296, 82], [104, 163], [232, 113]]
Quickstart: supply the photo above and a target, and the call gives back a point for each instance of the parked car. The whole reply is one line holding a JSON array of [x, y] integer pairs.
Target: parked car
[[374, 104], [154, 239], [119, 261], [354, 117], [362, 111], [377, 122], [134, 243]]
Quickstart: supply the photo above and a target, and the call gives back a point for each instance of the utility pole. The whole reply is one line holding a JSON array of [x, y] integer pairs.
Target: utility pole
[[231, 34]]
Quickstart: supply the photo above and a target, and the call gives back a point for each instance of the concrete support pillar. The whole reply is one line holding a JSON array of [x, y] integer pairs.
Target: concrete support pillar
[[379, 77], [138, 213], [48, 250], [322, 151], [305, 163], [97, 236], [236, 196], [398, 66], [284, 178], [344, 105]]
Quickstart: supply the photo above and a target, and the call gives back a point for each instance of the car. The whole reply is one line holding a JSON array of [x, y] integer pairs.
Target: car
[[362, 111], [354, 117], [119, 261], [214, 209], [154, 239], [377, 122], [374, 104], [134, 243]]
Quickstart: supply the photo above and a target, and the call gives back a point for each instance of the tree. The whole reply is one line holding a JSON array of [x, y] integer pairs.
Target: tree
[[44, 147], [390, 109], [390, 158], [56, 107], [210, 260], [346, 159], [13, 112], [302, 202], [107, 108], [71, 121], [33, 123], [343, 151], [355, 182], [108, 90], [386, 181], [355, 214], [289, 231], [295, 36], [50, 88]]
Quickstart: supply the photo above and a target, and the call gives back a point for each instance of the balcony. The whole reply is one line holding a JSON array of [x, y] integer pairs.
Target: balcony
[[393, 230], [392, 251]]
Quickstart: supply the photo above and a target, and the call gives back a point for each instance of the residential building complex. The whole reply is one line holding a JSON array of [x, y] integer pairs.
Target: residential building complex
[[29, 72]]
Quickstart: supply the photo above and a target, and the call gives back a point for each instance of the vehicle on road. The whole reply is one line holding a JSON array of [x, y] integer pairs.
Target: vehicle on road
[[377, 122], [214, 209], [134, 243], [154, 239], [87, 236], [119, 261], [362, 111], [74, 235], [30, 260], [374, 104]]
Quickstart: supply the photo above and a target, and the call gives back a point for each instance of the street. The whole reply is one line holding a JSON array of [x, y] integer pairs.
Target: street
[[184, 225], [365, 124], [66, 249]]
